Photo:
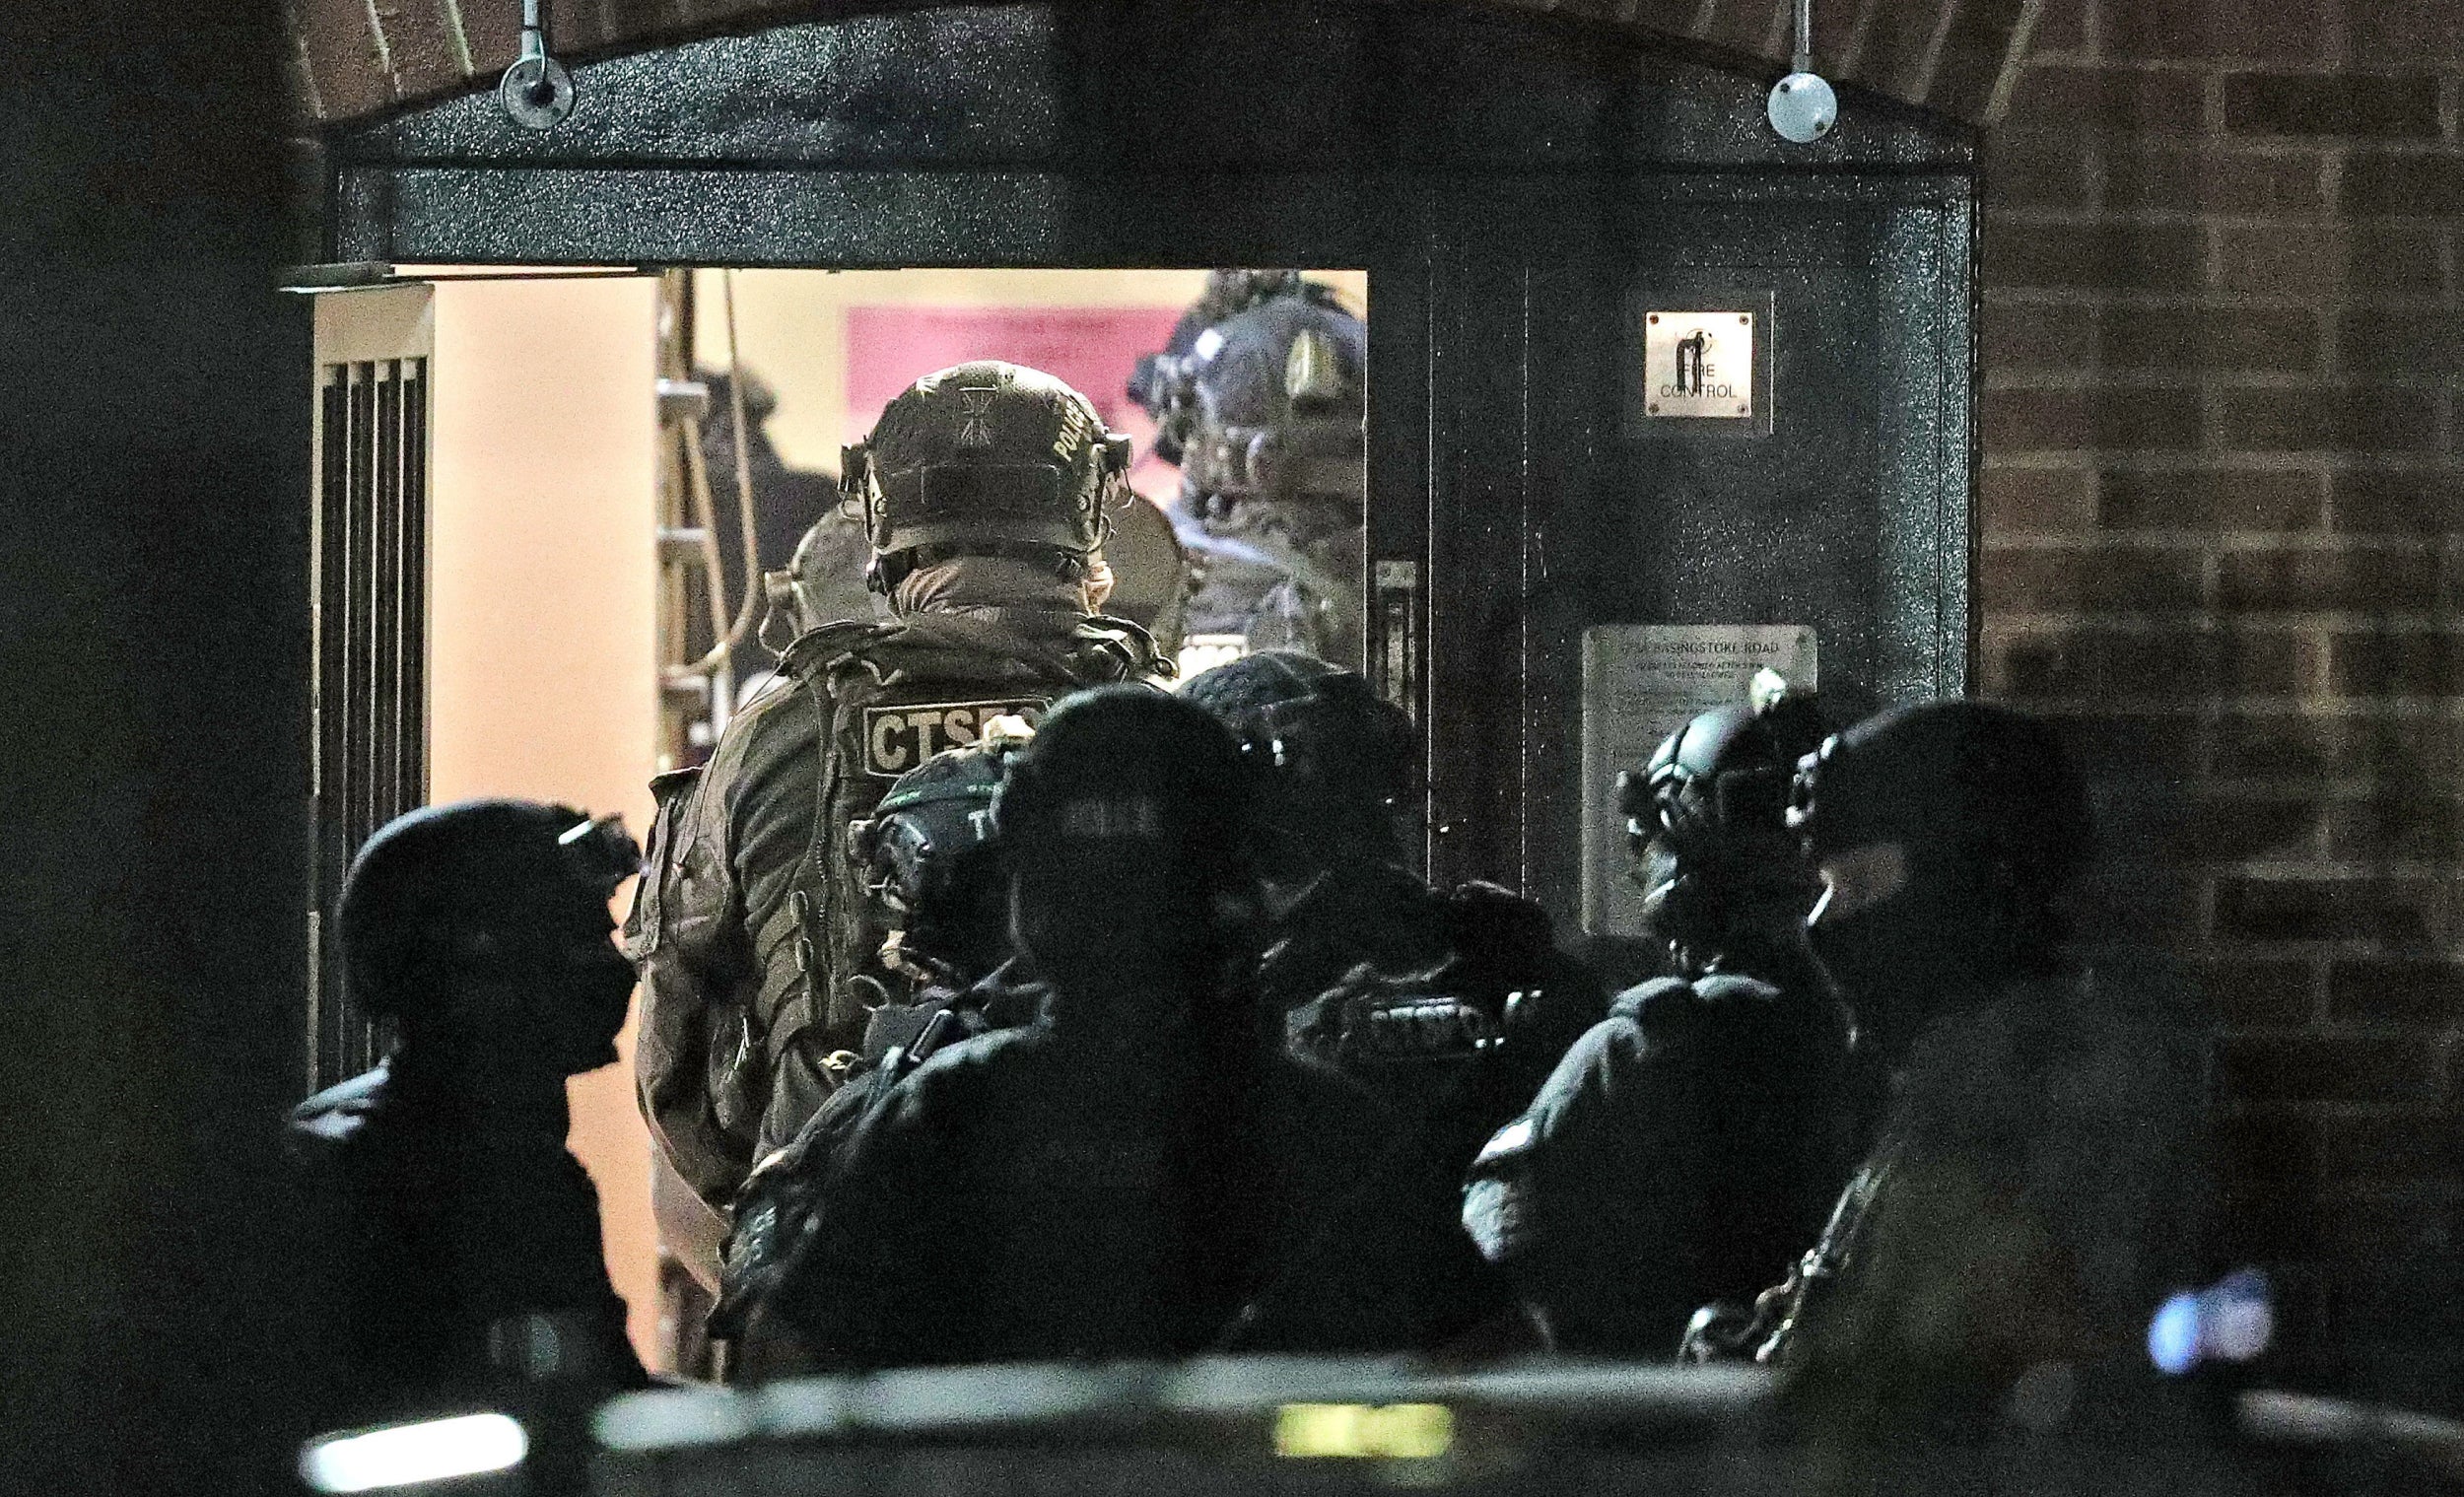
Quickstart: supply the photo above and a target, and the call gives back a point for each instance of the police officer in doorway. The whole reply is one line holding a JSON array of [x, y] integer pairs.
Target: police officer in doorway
[[451, 1208], [937, 876], [1689, 1146], [1134, 1174], [985, 489], [2037, 1182], [1264, 412], [1451, 1004]]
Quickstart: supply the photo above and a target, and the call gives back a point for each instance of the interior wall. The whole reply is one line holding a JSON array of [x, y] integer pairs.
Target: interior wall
[[541, 647], [791, 328]]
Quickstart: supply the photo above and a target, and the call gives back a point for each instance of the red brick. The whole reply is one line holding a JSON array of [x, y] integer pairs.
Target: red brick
[[418, 35], [2385, 418], [2035, 501], [2103, 663], [2213, 828], [2381, 342], [2408, 33], [2388, 750], [2020, 173], [2331, 1066], [2213, 179], [495, 35], [2379, 502], [2213, 339], [2331, 262], [2112, 417], [2114, 749], [2130, 907], [2104, 256], [2381, 1148], [2305, 580], [2274, 31], [1742, 25], [2069, 102], [2399, 912], [2089, 579], [2036, 335], [2380, 991], [1897, 39], [2402, 185], [343, 54], [2245, 500], [1974, 52], [2066, 337], [2246, 993], [2410, 828], [2396, 664], [2386, 106]]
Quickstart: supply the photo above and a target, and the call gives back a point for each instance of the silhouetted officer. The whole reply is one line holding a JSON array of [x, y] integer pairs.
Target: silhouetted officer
[[1452, 1004], [1135, 1174], [2037, 1185], [1689, 1146], [451, 1206]]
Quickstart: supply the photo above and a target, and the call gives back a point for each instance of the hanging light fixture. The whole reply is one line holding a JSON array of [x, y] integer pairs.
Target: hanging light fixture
[[1802, 107]]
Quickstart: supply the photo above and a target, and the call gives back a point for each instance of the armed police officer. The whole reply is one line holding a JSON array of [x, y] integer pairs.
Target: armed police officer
[[937, 876], [1134, 1174], [1451, 1005], [985, 489], [481, 930], [1691, 1145], [2036, 1184], [1264, 412]]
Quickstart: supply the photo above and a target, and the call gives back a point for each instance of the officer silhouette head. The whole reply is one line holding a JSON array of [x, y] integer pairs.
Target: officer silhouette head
[[1945, 835], [1725, 882], [1126, 821], [482, 929], [1333, 764]]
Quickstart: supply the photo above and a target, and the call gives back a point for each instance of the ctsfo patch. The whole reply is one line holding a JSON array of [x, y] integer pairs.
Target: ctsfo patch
[[899, 738]]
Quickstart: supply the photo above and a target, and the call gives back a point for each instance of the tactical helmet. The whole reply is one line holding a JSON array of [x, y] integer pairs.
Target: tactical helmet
[[1297, 718], [1267, 404], [929, 858], [1723, 779], [444, 887], [986, 458], [1977, 792]]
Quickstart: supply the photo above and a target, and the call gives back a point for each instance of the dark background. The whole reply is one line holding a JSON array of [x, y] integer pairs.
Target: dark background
[[153, 682]]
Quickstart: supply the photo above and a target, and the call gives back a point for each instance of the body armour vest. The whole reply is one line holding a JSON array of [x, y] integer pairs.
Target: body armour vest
[[758, 950]]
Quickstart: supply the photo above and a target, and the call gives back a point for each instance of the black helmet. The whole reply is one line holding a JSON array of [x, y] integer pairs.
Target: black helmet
[[1267, 404], [929, 858], [987, 457], [480, 883], [1298, 719], [1706, 820], [1977, 792], [1723, 779]]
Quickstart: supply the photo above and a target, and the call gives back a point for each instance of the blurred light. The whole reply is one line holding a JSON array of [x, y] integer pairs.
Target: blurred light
[[1200, 652], [2234, 1321], [2174, 1336], [407, 1455], [1396, 1431]]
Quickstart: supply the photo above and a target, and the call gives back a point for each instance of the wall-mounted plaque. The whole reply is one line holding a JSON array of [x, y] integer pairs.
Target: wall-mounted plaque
[[1698, 365], [1642, 682]]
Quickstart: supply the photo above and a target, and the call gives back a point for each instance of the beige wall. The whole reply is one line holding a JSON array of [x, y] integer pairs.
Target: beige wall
[[542, 656]]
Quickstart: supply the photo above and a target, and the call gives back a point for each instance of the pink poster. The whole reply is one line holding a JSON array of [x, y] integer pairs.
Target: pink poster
[[1091, 348]]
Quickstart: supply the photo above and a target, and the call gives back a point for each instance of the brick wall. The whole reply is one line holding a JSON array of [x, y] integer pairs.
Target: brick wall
[[355, 57], [2220, 540]]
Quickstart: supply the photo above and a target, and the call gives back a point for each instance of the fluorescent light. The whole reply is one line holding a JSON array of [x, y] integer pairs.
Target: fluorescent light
[[406, 1455]]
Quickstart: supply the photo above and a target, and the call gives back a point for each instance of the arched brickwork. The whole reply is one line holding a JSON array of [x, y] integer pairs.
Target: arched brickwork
[[356, 57]]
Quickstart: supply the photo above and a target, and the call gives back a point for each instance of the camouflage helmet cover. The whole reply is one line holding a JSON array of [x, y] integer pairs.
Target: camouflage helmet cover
[[987, 455]]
